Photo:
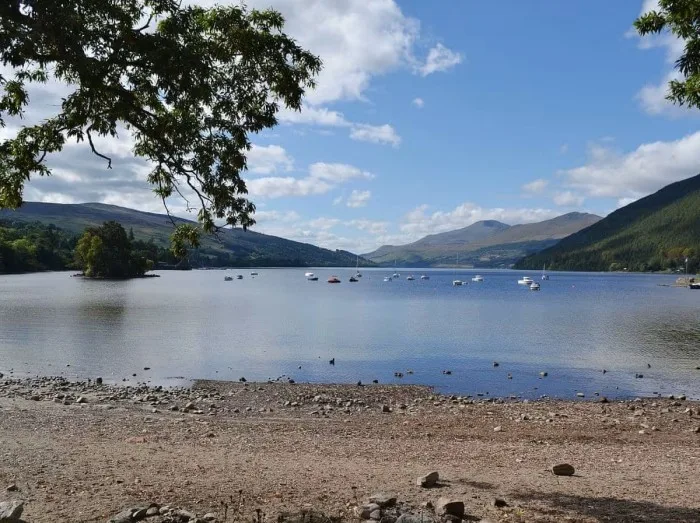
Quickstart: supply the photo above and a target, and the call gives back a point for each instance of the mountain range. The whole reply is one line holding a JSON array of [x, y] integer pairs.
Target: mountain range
[[487, 243], [657, 232], [233, 247]]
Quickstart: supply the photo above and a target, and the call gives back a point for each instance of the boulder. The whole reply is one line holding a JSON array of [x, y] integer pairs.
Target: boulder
[[563, 469], [411, 518], [449, 507], [429, 480], [11, 511], [123, 517], [383, 500], [364, 511]]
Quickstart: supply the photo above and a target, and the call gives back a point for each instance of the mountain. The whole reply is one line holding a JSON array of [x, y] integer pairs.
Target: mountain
[[655, 233], [233, 247], [483, 244]]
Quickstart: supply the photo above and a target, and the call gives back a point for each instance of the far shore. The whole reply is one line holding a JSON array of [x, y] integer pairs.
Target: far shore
[[84, 451]]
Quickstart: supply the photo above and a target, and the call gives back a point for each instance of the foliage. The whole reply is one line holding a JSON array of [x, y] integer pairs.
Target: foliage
[[189, 88], [652, 234], [26, 247], [107, 252], [682, 19]]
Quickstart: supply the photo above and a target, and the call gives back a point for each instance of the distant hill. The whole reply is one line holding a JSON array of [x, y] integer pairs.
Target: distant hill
[[483, 244], [654, 233], [232, 247]]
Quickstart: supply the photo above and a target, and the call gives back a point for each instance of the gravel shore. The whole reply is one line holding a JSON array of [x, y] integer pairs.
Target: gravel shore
[[83, 452]]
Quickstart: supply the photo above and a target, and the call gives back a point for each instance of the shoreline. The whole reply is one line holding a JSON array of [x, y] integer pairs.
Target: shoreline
[[83, 452]]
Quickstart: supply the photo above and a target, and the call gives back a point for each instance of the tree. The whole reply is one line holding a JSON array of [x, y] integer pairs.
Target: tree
[[190, 84], [682, 19], [106, 252]]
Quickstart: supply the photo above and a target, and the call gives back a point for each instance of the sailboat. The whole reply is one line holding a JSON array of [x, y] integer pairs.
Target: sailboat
[[544, 276], [396, 274], [457, 283], [357, 268]]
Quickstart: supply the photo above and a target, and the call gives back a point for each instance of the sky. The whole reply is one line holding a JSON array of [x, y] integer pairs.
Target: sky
[[430, 116]]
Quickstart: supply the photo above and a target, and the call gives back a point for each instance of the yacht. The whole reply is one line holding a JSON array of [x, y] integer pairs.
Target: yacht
[[333, 279], [457, 283], [309, 274], [425, 277], [534, 286], [228, 278], [410, 278], [525, 280], [544, 275], [478, 278]]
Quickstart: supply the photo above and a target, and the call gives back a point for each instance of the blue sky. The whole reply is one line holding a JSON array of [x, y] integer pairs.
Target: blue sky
[[430, 116]]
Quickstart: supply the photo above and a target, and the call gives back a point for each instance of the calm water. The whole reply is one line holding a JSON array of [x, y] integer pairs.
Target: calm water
[[195, 325]]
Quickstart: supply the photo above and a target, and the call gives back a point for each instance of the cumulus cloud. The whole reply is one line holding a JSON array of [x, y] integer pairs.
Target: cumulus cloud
[[358, 198], [568, 199], [535, 186], [418, 102], [337, 172], [370, 226], [268, 159], [440, 58], [384, 134], [648, 168]]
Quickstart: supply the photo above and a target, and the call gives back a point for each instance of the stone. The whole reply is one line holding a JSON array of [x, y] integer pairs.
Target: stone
[[563, 470], [81, 399], [498, 429], [12, 488], [411, 518], [500, 503], [153, 511], [364, 511], [184, 515], [98, 380], [375, 515], [35, 397], [123, 517], [383, 500], [209, 517], [429, 480], [450, 507], [11, 511], [603, 399], [140, 514], [386, 408]]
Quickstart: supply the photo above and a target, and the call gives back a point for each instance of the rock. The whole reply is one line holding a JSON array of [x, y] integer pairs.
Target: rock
[[11, 511], [184, 515], [429, 480], [563, 470], [153, 511], [98, 380], [364, 511], [35, 397], [386, 408], [603, 399], [209, 517], [12, 488], [383, 500], [123, 517], [410, 518], [375, 515], [140, 514], [449, 507], [498, 429], [500, 503], [81, 399]]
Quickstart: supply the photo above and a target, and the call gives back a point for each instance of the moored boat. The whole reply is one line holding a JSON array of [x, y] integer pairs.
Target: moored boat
[[228, 278], [525, 280], [534, 286], [333, 279], [478, 278]]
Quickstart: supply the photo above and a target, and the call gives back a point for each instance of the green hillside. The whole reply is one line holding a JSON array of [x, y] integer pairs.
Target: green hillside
[[231, 248], [483, 244], [654, 233]]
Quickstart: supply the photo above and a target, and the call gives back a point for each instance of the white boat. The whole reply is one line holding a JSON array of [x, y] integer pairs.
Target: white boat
[[253, 273], [534, 286], [388, 278], [525, 280], [425, 277], [410, 278], [396, 274], [478, 278], [309, 275], [357, 268], [457, 283], [544, 276]]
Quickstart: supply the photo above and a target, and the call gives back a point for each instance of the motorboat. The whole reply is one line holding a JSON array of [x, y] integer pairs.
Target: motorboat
[[353, 279], [312, 278], [410, 278], [333, 279], [388, 278], [694, 285], [396, 275], [534, 286], [457, 283], [309, 274], [478, 278], [239, 276], [228, 278], [253, 273], [525, 280], [425, 277]]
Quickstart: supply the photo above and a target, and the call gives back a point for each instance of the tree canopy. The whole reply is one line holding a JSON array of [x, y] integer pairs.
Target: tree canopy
[[106, 252], [190, 84], [682, 19]]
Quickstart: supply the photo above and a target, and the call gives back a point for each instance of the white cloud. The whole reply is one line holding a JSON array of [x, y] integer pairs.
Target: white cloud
[[568, 199], [564, 148], [440, 58], [338, 200], [418, 102], [535, 186], [646, 169], [268, 159], [376, 134], [417, 223], [337, 172], [370, 226], [262, 217], [622, 202], [358, 198]]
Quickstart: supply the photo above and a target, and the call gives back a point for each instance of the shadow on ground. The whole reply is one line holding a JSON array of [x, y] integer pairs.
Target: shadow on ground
[[607, 509]]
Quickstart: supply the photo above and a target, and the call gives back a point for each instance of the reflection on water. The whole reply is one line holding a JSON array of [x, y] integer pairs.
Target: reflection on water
[[196, 325]]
